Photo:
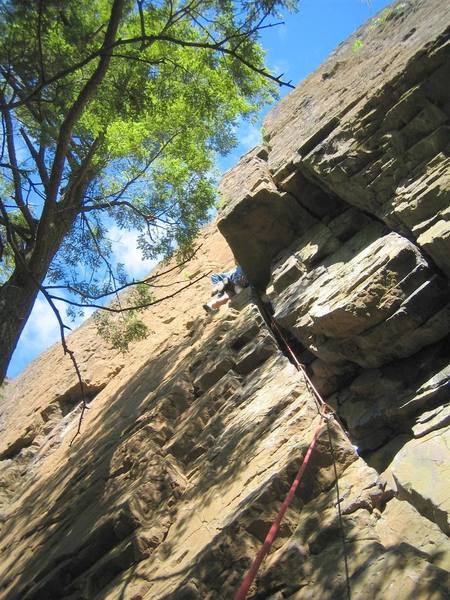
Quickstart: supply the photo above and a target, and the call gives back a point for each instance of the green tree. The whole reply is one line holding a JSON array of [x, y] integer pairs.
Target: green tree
[[113, 112]]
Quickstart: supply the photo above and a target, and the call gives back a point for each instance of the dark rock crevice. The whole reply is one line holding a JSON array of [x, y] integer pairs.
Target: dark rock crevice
[[362, 282]]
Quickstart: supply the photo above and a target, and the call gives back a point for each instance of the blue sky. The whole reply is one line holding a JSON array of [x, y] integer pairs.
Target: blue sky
[[295, 48], [301, 45]]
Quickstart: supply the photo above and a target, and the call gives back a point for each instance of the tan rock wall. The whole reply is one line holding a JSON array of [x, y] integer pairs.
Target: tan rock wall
[[359, 281], [192, 439]]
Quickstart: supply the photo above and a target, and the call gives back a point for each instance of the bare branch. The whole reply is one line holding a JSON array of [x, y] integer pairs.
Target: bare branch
[[146, 281], [15, 170], [128, 308], [37, 157], [71, 355], [99, 250], [83, 98]]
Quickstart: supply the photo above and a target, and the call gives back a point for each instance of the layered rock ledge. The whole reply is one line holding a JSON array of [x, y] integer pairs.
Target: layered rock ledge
[[191, 441]]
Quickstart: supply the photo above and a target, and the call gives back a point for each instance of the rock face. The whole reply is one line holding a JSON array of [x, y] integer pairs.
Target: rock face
[[191, 441]]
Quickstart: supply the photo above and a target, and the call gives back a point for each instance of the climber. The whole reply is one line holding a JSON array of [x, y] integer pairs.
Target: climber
[[225, 286]]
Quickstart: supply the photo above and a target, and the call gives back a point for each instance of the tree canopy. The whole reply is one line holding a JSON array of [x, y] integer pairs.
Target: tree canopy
[[113, 112]]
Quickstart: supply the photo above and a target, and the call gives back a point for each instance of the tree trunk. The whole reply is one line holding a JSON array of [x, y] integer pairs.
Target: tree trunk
[[17, 297], [18, 294]]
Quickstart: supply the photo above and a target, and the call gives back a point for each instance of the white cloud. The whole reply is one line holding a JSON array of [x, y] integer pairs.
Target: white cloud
[[124, 245], [40, 332], [42, 326]]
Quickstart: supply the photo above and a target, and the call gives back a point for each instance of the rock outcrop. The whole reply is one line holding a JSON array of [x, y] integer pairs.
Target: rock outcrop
[[192, 440]]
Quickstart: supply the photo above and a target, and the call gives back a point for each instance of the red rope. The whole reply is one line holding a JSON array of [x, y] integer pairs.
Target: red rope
[[322, 406], [241, 594]]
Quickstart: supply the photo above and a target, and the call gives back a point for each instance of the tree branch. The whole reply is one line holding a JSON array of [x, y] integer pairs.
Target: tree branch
[[31, 183], [131, 181], [157, 61], [14, 168], [179, 14], [113, 203], [83, 98], [70, 197], [37, 157], [22, 232], [2, 153], [217, 47], [105, 260], [62, 326], [10, 235], [128, 308], [20, 92], [146, 281], [105, 50], [71, 355], [39, 36], [141, 20]]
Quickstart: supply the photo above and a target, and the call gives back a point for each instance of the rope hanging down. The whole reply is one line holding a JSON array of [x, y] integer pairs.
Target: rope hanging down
[[241, 594], [326, 414], [322, 408]]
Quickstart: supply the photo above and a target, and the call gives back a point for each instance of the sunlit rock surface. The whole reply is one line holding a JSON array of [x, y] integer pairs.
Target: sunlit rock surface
[[191, 441]]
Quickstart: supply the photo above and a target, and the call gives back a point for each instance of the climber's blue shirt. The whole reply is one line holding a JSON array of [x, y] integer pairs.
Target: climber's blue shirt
[[235, 276]]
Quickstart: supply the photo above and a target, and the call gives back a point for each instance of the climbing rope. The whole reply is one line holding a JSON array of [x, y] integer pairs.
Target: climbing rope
[[326, 415], [324, 409], [341, 523], [322, 406], [241, 594]]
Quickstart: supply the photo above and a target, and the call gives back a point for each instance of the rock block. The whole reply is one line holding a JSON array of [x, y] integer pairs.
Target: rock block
[[436, 242], [273, 216], [212, 372], [359, 310], [434, 419], [254, 354], [381, 403], [316, 201], [400, 523], [188, 452], [421, 471]]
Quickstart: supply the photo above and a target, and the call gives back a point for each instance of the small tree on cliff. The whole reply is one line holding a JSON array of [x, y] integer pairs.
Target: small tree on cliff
[[112, 112]]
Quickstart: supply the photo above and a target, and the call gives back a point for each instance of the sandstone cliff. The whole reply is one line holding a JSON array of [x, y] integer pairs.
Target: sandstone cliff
[[341, 220]]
